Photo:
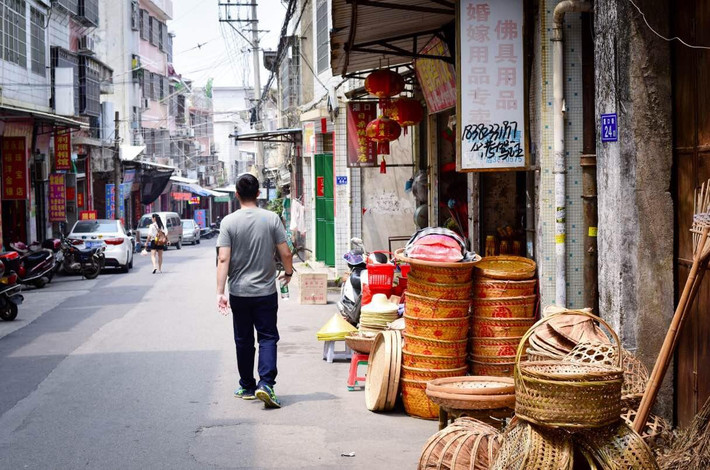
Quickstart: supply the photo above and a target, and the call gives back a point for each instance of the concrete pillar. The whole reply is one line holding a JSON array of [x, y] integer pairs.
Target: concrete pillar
[[636, 284]]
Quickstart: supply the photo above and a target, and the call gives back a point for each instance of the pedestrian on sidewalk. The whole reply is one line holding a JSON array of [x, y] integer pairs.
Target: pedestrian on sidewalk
[[157, 240], [247, 242]]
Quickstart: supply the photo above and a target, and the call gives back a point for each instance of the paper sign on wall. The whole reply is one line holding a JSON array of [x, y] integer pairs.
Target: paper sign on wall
[[490, 67]]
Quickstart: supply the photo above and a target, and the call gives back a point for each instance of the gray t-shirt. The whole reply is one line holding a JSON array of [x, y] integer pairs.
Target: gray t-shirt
[[253, 235]]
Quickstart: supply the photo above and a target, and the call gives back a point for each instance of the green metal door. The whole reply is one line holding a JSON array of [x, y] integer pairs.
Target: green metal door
[[325, 209]]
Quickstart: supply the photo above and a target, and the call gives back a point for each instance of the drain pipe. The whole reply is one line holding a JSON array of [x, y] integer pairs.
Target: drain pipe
[[560, 169]]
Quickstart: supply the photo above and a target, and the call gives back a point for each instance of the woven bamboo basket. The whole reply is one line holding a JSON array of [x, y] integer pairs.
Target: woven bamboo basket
[[656, 427], [454, 401], [416, 403], [430, 271], [416, 373], [358, 343], [500, 327], [524, 447], [435, 347], [494, 347], [437, 328], [505, 268], [492, 289], [506, 307], [473, 385], [494, 369], [465, 444], [437, 290], [617, 447], [427, 307], [567, 394], [425, 361], [535, 355]]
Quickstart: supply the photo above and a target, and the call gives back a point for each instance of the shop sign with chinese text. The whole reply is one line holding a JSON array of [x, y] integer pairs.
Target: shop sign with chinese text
[[436, 77], [14, 168], [194, 200], [309, 138], [110, 202], [361, 152], [62, 150], [181, 196], [201, 218], [490, 65], [87, 215], [57, 198]]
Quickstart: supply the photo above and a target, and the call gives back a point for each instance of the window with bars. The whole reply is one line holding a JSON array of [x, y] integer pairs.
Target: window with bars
[[145, 25], [322, 50], [89, 87], [15, 32], [88, 12], [38, 43], [154, 31], [157, 83], [181, 109], [135, 16]]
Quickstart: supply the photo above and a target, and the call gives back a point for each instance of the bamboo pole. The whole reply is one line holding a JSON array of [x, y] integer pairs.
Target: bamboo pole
[[690, 290]]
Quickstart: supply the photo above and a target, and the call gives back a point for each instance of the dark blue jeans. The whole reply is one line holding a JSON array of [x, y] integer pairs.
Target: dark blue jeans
[[249, 313]]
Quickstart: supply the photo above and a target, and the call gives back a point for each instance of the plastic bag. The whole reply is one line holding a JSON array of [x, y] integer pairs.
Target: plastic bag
[[144, 252], [439, 245]]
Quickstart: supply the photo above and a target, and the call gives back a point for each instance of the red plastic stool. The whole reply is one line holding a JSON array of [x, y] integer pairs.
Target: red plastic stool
[[353, 378]]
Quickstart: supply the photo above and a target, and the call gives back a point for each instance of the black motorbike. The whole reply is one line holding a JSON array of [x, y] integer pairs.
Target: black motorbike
[[37, 264], [82, 258], [351, 291], [10, 297]]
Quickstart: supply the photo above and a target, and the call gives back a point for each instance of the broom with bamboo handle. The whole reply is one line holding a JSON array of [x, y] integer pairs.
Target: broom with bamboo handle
[[701, 255]]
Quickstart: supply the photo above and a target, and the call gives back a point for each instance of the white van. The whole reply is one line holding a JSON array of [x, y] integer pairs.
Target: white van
[[171, 221]]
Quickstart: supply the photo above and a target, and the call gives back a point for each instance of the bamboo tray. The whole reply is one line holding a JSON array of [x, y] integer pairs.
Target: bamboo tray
[[514, 268], [473, 385]]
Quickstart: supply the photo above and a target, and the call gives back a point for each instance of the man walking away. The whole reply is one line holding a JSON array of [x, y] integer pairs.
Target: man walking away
[[247, 243]]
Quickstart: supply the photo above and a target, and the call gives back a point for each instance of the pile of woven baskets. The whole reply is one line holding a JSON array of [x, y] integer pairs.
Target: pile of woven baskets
[[437, 317], [504, 308]]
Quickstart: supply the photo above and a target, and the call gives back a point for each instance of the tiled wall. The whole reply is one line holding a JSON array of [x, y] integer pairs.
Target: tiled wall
[[342, 193], [542, 137]]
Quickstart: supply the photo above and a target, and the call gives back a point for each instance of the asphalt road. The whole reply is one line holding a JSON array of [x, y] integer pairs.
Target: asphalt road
[[136, 371]]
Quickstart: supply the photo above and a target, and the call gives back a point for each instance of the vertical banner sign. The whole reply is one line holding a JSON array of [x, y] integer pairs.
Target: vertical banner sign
[[201, 218], [110, 202], [309, 138], [121, 202], [436, 77], [14, 168], [57, 198], [80, 199], [361, 152], [491, 119], [62, 150]]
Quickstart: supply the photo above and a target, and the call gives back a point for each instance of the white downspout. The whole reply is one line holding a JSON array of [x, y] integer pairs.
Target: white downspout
[[560, 169]]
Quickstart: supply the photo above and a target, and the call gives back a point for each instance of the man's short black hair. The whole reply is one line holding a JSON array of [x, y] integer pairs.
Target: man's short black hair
[[247, 187]]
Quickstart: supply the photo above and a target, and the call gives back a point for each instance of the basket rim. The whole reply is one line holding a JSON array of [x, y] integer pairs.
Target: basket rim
[[517, 298], [522, 273], [478, 320], [438, 320], [418, 369], [436, 300], [593, 371], [399, 254], [480, 279], [548, 424], [494, 338], [436, 341], [435, 357]]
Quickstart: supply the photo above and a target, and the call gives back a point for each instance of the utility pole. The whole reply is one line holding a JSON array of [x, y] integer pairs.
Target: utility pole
[[116, 164]]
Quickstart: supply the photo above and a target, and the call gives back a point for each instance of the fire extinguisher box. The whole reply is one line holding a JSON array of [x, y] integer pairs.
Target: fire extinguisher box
[[313, 288]]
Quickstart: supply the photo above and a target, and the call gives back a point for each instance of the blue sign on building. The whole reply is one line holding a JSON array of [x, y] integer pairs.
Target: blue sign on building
[[341, 180], [609, 131]]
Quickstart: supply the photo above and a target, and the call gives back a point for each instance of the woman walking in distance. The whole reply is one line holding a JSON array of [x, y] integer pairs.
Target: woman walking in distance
[[157, 240]]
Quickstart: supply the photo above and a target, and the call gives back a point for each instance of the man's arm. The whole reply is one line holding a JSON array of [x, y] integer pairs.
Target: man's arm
[[287, 260], [223, 257]]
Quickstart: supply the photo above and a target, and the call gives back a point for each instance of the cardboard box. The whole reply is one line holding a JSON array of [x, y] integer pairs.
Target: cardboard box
[[313, 288]]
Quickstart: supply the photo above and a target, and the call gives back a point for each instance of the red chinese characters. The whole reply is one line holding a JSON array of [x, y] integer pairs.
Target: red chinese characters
[[57, 198], [361, 152], [436, 77], [14, 168], [62, 151]]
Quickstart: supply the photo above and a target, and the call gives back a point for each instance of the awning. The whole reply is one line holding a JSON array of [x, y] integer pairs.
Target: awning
[[42, 116], [194, 188], [129, 153], [365, 31], [157, 165], [180, 179], [227, 189], [289, 136]]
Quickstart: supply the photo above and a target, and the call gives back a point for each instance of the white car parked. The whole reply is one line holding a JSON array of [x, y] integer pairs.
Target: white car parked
[[112, 233], [190, 231]]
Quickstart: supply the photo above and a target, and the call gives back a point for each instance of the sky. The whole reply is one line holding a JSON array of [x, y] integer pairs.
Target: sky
[[204, 48]]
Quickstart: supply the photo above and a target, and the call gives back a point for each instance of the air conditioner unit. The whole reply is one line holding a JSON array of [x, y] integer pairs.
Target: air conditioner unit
[[86, 45], [191, 132]]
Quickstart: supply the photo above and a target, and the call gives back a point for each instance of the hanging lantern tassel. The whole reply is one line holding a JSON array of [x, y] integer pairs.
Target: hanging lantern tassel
[[383, 147], [383, 166]]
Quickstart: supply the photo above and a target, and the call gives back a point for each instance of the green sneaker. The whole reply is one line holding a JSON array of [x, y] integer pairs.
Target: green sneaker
[[244, 394], [267, 395]]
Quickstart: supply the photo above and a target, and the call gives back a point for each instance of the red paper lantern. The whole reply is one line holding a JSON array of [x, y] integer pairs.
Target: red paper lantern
[[383, 130], [384, 83], [406, 111]]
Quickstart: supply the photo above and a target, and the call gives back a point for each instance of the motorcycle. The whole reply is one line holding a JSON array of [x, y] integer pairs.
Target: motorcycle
[[10, 297], [37, 264], [85, 258]]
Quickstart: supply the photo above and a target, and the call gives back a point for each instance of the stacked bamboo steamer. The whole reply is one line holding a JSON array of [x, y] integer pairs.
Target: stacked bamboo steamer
[[437, 318], [504, 308]]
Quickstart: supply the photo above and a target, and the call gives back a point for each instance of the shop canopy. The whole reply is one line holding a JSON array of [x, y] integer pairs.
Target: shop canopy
[[195, 188], [370, 34], [289, 136], [129, 153], [41, 116]]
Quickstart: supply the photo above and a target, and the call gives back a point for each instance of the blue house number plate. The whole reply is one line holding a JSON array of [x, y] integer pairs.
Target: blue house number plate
[[341, 180], [609, 129]]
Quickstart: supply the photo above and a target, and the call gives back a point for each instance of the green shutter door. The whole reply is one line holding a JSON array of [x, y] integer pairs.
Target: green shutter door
[[325, 209]]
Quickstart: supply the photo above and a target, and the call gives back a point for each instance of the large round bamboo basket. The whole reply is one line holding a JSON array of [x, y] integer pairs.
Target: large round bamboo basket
[[442, 329], [494, 347], [500, 327], [438, 290], [434, 347], [473, 385], [506, 307], [506, 268], [427, 307], [464, 444], [428, 361], [493, 288], [494, 369], [416, 373], [430, 271], [416, 403], [567, 394]]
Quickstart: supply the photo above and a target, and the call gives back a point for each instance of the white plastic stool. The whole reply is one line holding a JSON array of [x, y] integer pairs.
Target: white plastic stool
[[329, 352]]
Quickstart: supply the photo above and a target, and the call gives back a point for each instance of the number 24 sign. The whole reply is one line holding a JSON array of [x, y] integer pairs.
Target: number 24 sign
[[610, 131]]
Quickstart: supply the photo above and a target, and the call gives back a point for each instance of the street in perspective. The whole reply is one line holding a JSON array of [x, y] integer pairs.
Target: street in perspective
[[354, 234]]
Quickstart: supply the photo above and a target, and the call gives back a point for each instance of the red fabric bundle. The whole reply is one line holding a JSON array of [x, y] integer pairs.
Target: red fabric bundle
[[439, 248]]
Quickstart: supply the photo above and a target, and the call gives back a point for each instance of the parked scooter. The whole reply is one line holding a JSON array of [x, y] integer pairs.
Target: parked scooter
[[78, 258], [37, 264], [10, 297]]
